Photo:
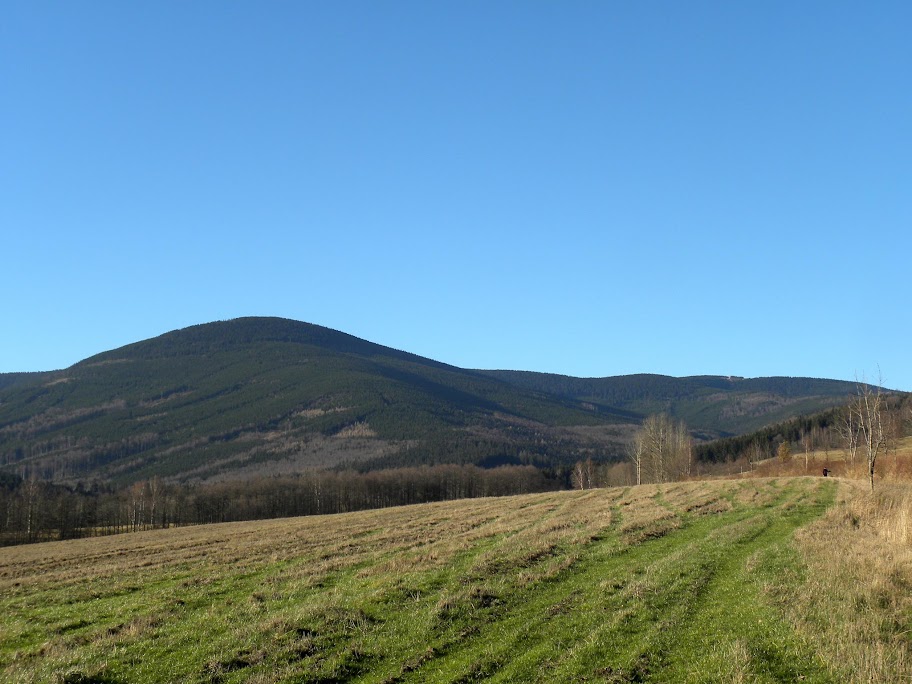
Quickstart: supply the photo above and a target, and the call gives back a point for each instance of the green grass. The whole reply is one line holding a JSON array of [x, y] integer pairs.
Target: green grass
[[662, 583]]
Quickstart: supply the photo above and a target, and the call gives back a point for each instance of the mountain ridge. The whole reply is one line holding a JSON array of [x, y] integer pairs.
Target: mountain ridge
[[261, 395], [700, 400]]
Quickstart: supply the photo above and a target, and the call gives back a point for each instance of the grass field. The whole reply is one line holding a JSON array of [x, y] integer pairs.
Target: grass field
[[686, 582]]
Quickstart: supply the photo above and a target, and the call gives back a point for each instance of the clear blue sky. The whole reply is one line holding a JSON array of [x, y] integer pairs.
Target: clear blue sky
[[587, 188]]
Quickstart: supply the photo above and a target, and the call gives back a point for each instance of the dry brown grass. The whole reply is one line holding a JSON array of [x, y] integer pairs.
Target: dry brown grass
[[413, 538], [895, 464], [857, 588]]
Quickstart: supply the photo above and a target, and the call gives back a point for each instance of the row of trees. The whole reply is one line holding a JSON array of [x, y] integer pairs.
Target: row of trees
[[32, 510]]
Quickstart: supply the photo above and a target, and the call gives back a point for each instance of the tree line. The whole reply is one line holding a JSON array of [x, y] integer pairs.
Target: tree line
[[868, 426], [32, 510]]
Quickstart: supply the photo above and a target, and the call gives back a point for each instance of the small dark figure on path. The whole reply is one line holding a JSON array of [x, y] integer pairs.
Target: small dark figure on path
[[826, 472]]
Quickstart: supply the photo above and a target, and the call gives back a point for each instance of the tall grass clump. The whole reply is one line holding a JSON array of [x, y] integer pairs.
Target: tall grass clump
[[855, 600]]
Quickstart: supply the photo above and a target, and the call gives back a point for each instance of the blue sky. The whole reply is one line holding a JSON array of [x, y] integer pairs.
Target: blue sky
[[587, 188]]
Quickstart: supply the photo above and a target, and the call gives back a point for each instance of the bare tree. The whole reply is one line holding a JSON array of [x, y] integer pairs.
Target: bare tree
[[683, 451], [868, 409], [661, 450], [155, 494], [32, 490], [637, 452], [806, 444], [137, 505], [583, 475], [755, 454], [849, 431]]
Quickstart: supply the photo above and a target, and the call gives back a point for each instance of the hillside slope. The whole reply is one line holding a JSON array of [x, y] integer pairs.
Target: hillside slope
[[264, 395], [713, 405]]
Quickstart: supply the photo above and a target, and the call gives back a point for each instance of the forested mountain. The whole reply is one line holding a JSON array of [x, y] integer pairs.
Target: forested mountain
[[263, 396], [712, 405], [268, 395], [9, 379]]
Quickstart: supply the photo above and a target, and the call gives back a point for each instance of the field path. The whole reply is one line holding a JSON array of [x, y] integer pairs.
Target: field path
[[685, 604]]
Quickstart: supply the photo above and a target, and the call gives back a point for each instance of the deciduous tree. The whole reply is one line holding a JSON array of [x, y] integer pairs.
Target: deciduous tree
[[849, 431], [867, 406], [661, 450], [784, 452], [583, 476]]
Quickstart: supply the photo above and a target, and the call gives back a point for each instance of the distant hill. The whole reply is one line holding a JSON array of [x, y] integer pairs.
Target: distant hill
[[260, 396], [713, 405], [268, 395]]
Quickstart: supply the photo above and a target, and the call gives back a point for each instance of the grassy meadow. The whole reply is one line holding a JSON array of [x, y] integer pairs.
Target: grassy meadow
[[758, 580]]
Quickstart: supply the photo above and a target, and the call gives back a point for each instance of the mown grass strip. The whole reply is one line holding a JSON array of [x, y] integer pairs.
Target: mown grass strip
[[632, 613]]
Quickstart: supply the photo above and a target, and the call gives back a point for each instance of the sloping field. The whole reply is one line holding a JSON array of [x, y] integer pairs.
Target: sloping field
[[656, 583]]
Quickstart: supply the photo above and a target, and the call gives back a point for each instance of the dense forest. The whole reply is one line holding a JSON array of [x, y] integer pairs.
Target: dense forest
[[713, 406], [260, 393]]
